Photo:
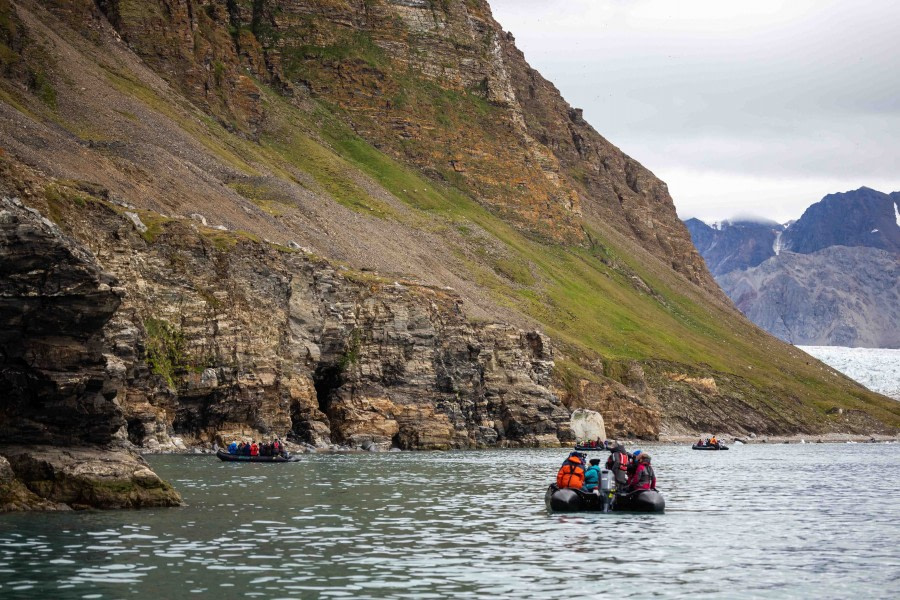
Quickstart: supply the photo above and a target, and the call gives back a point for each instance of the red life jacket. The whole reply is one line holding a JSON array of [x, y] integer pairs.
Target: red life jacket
[[644, 478], [254, 450], [617, 460], [571, 474]]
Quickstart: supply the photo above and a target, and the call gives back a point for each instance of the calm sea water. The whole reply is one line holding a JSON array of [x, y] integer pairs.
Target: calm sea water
[[804, 521]]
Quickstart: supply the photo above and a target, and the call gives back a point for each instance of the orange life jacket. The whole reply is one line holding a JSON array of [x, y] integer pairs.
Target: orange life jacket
[[571, 474], [622, 459]]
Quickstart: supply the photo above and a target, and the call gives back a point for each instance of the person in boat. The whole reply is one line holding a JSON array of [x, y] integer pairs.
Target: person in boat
[[633, 463], [700, 442], [643, 477], [232, 448], [618, 463], [571, 473], [714, 442], [592, 476], [254, 449]]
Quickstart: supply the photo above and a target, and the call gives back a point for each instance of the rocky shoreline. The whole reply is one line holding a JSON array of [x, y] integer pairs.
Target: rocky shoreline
[[811, 438]]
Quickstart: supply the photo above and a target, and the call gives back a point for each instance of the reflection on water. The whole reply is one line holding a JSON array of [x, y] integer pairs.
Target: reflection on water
[[469, 524]]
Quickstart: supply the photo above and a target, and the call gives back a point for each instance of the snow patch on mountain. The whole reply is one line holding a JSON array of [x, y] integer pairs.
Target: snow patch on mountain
[[897, 212], [876, 368]]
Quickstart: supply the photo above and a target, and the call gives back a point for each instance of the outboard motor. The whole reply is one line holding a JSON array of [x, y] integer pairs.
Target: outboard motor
[[607, 488]]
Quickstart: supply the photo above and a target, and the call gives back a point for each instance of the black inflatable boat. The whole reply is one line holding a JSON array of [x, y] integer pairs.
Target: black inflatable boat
[[588, 448], [223, 455], [709, 447], [572, 500]]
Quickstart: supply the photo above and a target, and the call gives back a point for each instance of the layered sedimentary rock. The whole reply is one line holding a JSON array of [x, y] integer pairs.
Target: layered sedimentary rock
[[438, 84], [60, 386], [174, 139], [219, 335]]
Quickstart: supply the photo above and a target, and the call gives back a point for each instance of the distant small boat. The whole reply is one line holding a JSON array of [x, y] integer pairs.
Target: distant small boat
[[709, 447], [584, 448], [223, 455]]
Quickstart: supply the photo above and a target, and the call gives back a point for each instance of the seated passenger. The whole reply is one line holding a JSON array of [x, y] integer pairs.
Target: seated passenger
[[592, 476], [571, 473], [232, 448], [643, 478]]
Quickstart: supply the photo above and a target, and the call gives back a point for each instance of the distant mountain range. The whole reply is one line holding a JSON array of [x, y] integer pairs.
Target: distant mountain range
[[829, 278]]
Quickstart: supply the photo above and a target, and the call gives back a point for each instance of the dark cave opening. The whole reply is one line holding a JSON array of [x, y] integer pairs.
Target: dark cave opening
[[327, 379], [136, 432]]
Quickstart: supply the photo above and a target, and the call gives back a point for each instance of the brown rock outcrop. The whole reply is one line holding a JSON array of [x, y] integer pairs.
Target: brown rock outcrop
[[439, 85], [220, 336], [83, 477], [59, 385]]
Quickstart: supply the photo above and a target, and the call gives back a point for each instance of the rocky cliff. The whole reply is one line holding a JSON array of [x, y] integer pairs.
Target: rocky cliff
[[287, 191], [735, 245], [829, 278], [838, 296], [61, 390], [863, 217]]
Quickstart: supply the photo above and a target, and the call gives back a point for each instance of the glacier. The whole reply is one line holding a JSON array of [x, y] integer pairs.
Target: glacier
[[876, 368]]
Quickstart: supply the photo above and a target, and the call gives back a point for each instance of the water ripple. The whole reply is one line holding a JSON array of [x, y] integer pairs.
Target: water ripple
[[757, 521]]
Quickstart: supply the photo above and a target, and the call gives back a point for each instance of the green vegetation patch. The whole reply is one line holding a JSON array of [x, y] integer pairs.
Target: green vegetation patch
[[269, 198], [164, 349]]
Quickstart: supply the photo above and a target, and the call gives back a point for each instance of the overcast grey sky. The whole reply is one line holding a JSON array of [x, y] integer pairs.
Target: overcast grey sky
[[743, 108]]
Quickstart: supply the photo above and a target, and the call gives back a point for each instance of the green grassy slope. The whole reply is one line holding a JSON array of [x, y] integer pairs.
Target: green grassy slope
[[604, 303]]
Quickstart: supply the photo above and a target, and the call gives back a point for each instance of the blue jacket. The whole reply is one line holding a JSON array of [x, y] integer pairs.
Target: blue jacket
[[591, 477], [232, 448]]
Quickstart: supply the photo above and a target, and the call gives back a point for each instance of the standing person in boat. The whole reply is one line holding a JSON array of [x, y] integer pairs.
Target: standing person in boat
[[618, 463], [571, 473], [643, 478], [592, 476], [232, 448], [254, 449]]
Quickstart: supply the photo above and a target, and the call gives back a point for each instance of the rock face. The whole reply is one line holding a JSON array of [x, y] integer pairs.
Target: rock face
[[220, 336], [54, 302], [438, 84], [863, 217], [829, 278], [837, 296], [734, 245], [60, 387]]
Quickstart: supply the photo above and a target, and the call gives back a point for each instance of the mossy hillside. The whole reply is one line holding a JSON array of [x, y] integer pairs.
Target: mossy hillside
[[582, 296]]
